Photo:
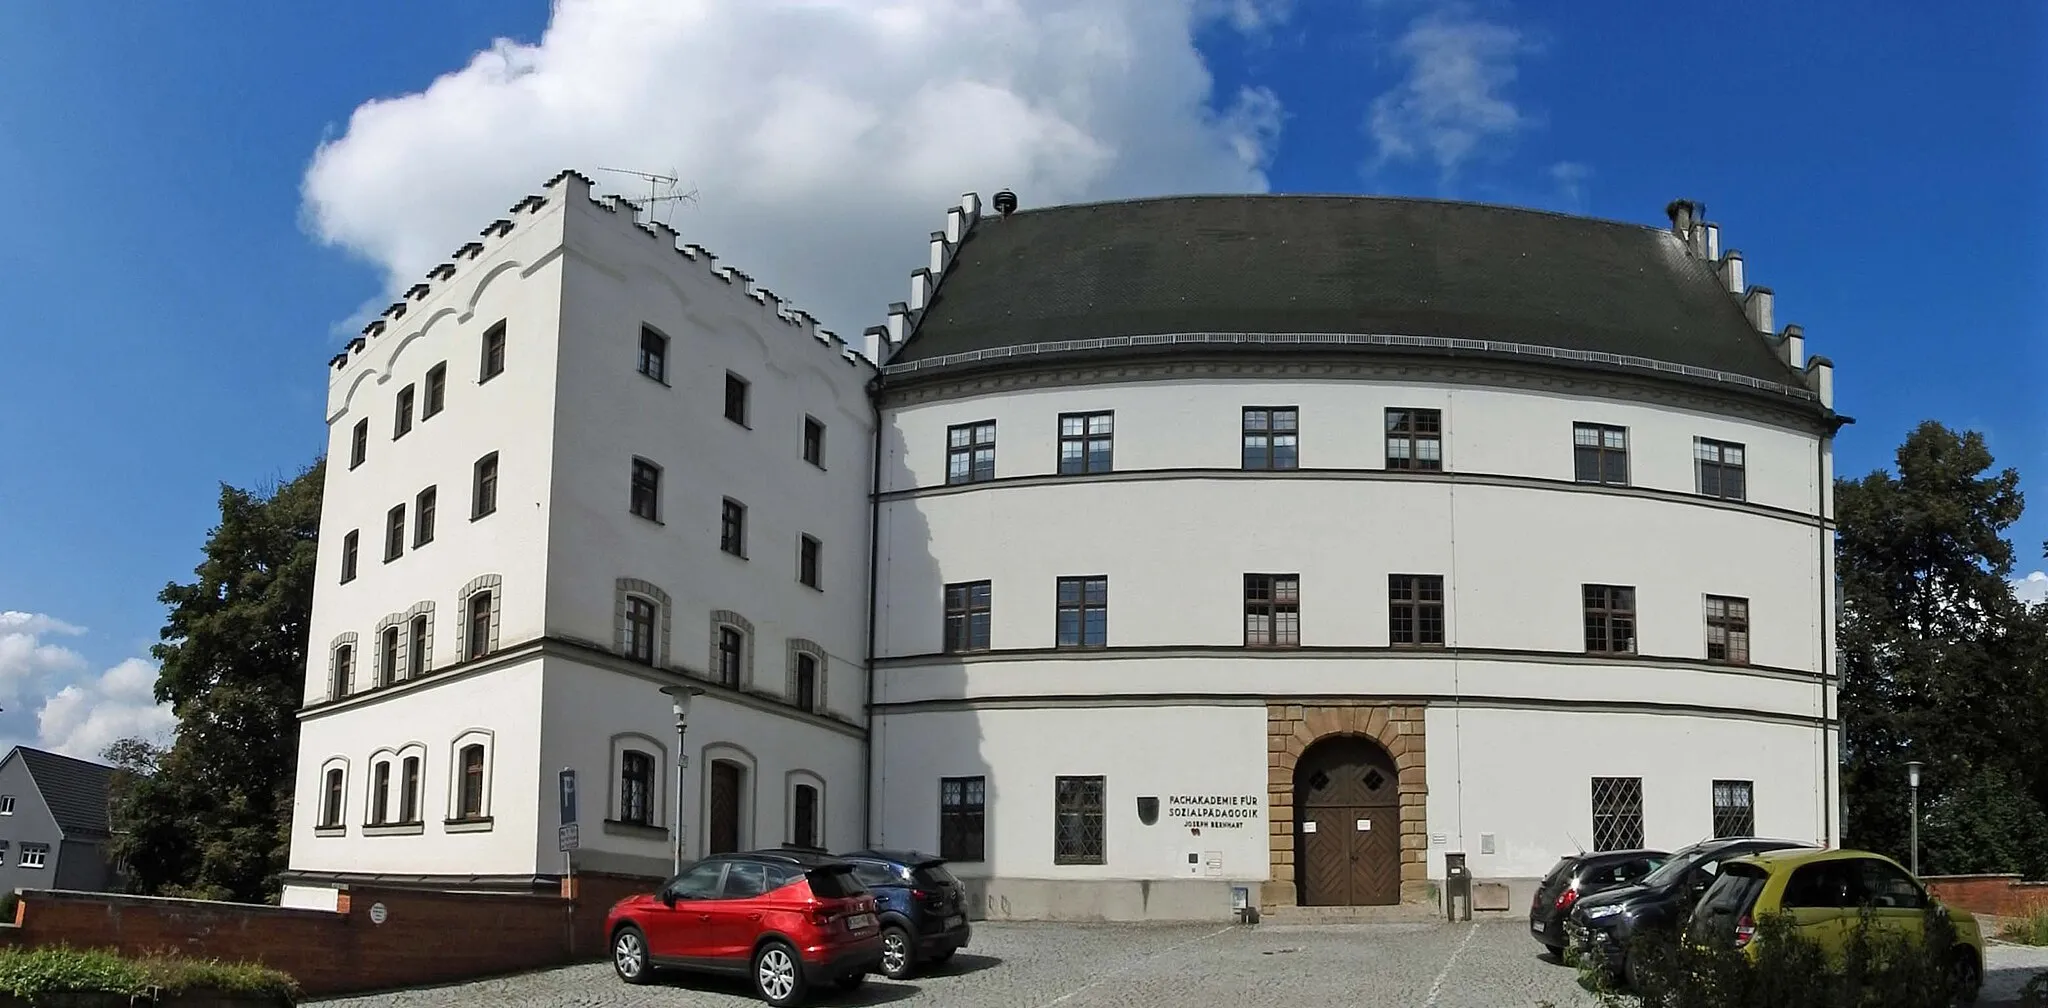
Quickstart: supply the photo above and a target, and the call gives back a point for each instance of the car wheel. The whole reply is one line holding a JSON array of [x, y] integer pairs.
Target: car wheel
[[899, 959], [778, 976], [629, 956], [1966, 978]]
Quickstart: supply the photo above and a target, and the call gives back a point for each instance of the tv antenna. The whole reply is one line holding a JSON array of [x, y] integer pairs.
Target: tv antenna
[[661, 189]]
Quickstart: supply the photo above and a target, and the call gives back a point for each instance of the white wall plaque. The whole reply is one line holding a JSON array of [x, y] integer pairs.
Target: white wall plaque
[[1309, 826], [1365, 825]]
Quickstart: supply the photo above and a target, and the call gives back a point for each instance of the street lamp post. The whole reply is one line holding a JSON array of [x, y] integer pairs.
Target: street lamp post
[[1913, 787], [679, 701]]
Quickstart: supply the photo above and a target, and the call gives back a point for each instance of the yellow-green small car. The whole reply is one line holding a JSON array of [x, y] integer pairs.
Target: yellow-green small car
[[1824, 893]]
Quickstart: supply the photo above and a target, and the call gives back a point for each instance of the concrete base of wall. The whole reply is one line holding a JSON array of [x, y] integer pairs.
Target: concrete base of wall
[[1105, 899]]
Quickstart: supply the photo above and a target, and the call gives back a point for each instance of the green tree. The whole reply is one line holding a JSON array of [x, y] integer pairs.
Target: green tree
[[212, 818], [1939, 662]]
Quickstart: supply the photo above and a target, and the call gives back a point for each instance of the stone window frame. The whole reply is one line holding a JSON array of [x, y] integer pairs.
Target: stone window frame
[[799, 646], [456, 822], [426, 656], [791, 781], [386, 757], [727, 618], [658, 790], [336, 689], [494, 584], [409, 751], [664, 608], [336, 824]]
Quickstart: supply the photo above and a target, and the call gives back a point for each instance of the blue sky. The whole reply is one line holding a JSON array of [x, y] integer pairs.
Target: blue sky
[[203, 206]]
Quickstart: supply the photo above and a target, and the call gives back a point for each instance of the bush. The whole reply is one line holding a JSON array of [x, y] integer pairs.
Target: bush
[[28, 973], [1879, 968], [2029, 930]]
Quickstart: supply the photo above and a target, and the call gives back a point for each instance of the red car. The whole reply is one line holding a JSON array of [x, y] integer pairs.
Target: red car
[[789, 920]]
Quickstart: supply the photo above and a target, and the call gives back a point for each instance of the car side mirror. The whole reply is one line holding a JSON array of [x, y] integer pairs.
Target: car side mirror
[[669, 897]]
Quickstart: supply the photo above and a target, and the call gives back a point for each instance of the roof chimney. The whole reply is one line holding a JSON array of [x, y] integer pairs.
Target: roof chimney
[[1687, 220]]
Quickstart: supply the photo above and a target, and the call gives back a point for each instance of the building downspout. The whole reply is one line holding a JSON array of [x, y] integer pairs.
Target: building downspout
[[1830, 755], [867, 744]]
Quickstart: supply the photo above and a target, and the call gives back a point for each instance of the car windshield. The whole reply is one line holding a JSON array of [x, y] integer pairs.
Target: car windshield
[[1670, 871], [935, 875]]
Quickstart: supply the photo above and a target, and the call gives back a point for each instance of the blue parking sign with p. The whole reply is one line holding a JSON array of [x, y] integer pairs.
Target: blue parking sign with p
[[568, 797]]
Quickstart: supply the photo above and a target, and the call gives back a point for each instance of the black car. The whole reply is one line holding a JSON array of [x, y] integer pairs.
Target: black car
[[922, 906], [1576, 876], [1602, 926]]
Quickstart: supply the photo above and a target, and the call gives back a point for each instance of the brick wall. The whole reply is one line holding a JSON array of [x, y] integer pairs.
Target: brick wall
[[593, 894], [424, 938], [1998, 895]]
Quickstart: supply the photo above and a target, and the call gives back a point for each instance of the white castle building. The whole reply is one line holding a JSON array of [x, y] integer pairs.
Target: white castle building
[[1155, 554]]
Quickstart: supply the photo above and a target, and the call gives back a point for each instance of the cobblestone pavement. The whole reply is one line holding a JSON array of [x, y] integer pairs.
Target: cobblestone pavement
[[1490, 964], [1483, 965]]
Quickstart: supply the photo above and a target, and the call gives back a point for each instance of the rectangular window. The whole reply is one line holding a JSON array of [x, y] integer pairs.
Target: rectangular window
[[437, 390], [402, 423], [1083, 604], [394, 533], [963, 817], [735, 398], [1077, 811], [483, 495], [409, 795], [387, 656], [967, 616], [423, 517], [653, 354], [732, 528], [1734, 809], [1600, 454], [636, 788], [1617, 813], [479, 625], [730, 652], [806, 682], [359, 444], [804, 827], [344, 671], [471, 803], [493, 363], [1415, 609], [807, 561], [645, 498], [380, 798], [640, 629], [1415, 439], [33, 855], [971, 452], [1272, 610], [6, 804], [330, 809], [348, 555], [416, 648], [814, 442], [1719, 467], [1271, 437], [1085, 442], [1610, 619], [1728, 629]]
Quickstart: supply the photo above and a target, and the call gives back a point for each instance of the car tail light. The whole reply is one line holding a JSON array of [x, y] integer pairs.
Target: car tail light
[[1745, 930], [1565, 899], [822, 915]]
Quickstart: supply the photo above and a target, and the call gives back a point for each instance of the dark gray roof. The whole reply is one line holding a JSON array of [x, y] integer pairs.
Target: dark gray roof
[[75, 790], [1337, 264]]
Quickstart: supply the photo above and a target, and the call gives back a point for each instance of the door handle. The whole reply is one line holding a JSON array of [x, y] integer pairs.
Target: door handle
[[703, 917], [753, 917]]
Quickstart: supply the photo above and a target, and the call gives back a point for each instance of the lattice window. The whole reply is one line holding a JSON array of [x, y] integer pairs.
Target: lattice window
[[1083, 605], [968, 608], [1415, 609], [735, 398], [401, 424], [1734, 809], [1272, 437], [1719, 467], [653, 354], [1272, 610], [1415, 439], [1078, 810], [732, 527], [1610, 619], [963, 812], [971, 452], [636, 788], [1600, 453], [1728, 629], [1086, 440], [644, 498], [1617, 813]]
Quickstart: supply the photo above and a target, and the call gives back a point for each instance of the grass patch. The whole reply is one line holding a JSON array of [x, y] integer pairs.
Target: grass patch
[[28, 973], [2029, 930]]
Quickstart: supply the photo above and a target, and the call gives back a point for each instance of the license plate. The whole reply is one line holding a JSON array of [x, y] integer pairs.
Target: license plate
[[860, 922], [953, 922], [1535, 925]]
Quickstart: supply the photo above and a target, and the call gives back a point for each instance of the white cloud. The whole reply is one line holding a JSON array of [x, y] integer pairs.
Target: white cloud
[[82, 718], [16, 622], [1450, 101], [2032, 589], [824, 138], [1570, 177], [25, 660]]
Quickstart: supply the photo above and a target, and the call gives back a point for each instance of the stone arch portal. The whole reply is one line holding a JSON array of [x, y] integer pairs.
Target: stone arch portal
[[1346, 790]]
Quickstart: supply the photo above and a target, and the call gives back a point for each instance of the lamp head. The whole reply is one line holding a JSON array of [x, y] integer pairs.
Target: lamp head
[[1913, 773], [679, 699]]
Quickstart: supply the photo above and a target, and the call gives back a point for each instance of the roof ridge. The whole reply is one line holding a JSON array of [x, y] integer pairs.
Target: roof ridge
[[1373, 197]]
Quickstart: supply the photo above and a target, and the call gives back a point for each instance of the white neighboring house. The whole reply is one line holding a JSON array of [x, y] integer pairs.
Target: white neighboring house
[[1272, 548], [575, 466]]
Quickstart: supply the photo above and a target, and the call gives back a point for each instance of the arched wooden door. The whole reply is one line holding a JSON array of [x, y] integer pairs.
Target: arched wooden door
[[1347, 815]]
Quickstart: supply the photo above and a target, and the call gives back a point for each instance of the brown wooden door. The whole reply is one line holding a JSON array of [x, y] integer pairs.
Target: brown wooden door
[[1349, 790], [723, 834]]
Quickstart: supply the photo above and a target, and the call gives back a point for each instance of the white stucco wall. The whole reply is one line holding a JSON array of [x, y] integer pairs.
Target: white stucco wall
[[1186, 750]]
